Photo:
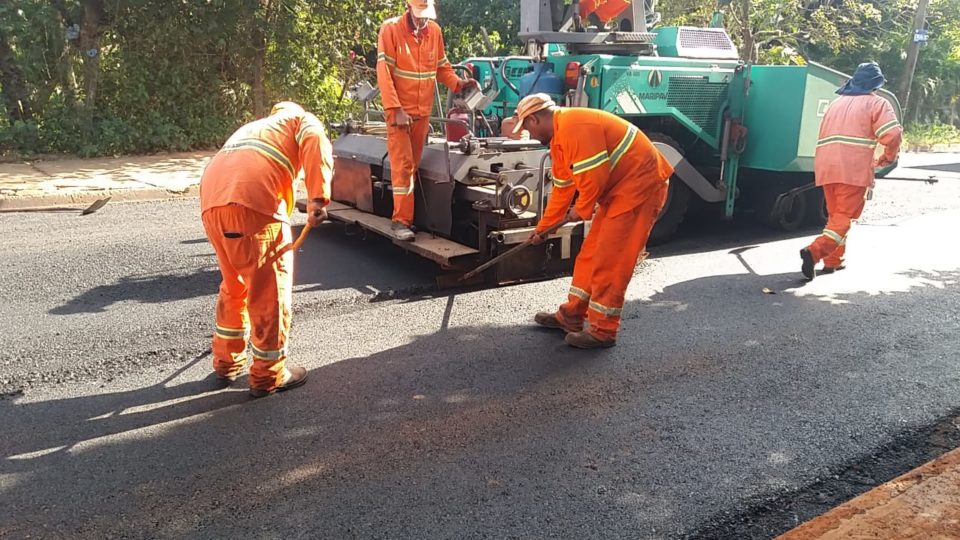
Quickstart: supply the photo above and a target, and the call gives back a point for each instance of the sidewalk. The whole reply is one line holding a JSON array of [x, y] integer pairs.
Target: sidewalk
[[922, 504], [82, 181], [58, 182]]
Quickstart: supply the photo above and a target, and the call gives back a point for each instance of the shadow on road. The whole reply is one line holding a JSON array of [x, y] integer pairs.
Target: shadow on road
[[948, 167], [498, 431], [328, 260], [156, 289], [195, 241]]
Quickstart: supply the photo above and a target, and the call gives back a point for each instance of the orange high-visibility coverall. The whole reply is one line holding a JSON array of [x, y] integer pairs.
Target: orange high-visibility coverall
[[246, 198], [611, 165], [844, 165], [606, 10], [408, 66]]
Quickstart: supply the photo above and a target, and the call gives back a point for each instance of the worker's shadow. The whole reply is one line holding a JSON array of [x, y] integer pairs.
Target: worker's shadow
[[134, 455], [484, 417], [146, 289], [328, 260]]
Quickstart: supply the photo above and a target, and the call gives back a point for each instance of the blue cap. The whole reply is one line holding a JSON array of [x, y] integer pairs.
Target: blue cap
[[867, 78]]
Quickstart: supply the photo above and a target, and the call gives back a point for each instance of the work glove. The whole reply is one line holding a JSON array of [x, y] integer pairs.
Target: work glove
[[401, 119], [316, 212], [881, 162]]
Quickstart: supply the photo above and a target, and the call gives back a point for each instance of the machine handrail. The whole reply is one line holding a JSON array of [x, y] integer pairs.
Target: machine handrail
[[503, 70]]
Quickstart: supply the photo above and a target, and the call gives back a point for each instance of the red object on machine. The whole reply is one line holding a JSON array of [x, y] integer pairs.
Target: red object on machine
[[474, 72], [455, 132], [572, 74], [605, 10]]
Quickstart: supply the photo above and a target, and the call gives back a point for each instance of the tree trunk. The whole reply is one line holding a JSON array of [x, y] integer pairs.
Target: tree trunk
[[259, 63], [260, 59], [747, 51], [90, 49], [15, 96]]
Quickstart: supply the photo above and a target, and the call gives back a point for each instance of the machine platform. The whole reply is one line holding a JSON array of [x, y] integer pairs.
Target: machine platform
[[444, 252]]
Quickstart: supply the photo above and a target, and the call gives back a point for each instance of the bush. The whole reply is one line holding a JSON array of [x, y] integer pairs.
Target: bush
[[174, 76], [925, 136]]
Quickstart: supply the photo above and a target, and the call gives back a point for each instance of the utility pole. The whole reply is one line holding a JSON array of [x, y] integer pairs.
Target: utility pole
[[913, 52]]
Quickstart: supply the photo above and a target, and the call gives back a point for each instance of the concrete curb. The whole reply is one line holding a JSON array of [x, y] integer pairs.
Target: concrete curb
[[890, 510], [53, 200]]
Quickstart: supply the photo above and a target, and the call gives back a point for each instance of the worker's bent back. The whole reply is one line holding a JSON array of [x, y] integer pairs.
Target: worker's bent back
[[257, 166]]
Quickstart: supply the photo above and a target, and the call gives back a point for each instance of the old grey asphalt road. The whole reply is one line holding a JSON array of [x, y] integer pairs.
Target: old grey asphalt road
[[436, 415]]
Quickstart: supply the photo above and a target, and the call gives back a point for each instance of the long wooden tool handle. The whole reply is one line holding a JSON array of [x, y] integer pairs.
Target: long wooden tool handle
[[303, 236], [511, 252], [296, 243]]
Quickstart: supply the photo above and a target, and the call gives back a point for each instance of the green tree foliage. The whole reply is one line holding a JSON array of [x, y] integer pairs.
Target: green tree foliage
[[464, 24], [130, 76], [172, 74], [844, 33]]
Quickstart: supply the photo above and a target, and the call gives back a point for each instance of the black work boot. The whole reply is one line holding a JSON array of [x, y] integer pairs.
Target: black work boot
[[809, 266], [296, 376], [831, 269]]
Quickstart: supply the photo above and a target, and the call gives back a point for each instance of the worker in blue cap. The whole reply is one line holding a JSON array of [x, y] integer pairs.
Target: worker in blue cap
[[844, 162]]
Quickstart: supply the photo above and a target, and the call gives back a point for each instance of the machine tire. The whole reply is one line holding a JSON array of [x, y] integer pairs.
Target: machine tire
[[675, 208], [794, 216], [816, 208]]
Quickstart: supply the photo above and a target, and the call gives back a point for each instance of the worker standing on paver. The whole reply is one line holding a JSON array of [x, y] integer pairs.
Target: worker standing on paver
[[410, 61], [621, 182], [844, 162], [246, 198]]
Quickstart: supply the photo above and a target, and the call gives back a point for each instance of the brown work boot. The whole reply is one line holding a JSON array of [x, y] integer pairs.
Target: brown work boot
[[586, 340], [402, 232], [550, 320], [296, 376]]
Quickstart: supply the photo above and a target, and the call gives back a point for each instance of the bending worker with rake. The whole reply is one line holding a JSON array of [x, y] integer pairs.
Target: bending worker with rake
[[246, 198], [620, 179]]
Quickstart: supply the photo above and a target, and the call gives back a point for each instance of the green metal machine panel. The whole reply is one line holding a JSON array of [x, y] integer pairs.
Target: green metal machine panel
[[784, 111], [692, 91], [667, 40], [774, 116]]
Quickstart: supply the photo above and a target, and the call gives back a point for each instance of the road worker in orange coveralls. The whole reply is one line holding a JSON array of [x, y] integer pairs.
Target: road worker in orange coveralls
[[410, 59], [246, 198], [620, 180], [844, 162]]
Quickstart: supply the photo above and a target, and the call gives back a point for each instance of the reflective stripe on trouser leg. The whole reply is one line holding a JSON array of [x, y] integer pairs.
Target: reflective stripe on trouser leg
[[229, 338], [574, 310], [269, 300], [832, 236], [404, 148], [619, 245]]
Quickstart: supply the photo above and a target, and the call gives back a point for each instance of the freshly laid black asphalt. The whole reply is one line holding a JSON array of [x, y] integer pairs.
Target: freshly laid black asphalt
[[735, 387]]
